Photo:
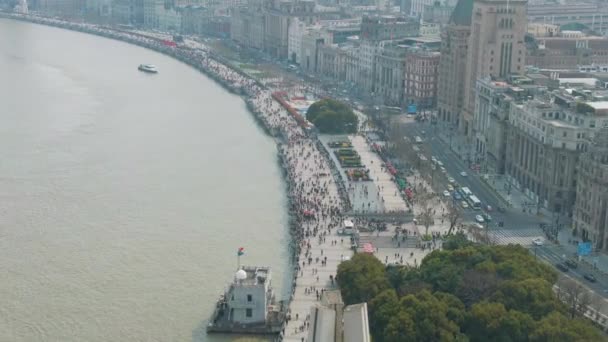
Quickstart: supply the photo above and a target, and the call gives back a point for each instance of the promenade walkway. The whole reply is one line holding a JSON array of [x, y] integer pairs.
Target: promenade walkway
[[386, 192]]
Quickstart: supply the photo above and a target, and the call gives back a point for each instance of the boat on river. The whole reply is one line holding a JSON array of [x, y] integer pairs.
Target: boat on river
[[149, 68]]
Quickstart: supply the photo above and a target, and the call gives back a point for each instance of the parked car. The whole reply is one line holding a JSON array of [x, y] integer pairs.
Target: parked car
[[537, 241], [450, 188], [457, 196], [446, 193], [464, 204], [562, 267], [479, 219], [463, 174], [451, 180], [442, 169], [571, 263], [590, 277]]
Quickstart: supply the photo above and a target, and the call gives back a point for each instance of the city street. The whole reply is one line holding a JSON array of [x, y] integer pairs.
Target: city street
[[514, 218]]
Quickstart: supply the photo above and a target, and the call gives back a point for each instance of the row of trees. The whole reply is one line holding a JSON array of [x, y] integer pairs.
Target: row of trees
[[466, 292]]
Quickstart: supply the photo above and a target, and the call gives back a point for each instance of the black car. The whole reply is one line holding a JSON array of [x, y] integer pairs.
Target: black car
[[562, 267], [590, 277], [571, 263]]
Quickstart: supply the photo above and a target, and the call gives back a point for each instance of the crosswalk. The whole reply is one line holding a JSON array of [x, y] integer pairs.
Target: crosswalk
[[522, 237]]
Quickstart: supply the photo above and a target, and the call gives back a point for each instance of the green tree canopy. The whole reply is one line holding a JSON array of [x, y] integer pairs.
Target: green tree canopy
[[557, 327], [467, 292], [361, 278], [332, 117]]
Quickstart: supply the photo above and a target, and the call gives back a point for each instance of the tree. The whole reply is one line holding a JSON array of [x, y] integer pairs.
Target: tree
[[456, 241], [576, 297], [332, 117], [492, 322], [533, 296], [361, 278], [382, 309], [453, 215], [557, 327], [429, 314], [425, 215]]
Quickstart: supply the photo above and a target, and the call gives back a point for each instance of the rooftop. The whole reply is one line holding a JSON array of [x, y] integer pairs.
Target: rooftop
[[253, 275], [462, 13]]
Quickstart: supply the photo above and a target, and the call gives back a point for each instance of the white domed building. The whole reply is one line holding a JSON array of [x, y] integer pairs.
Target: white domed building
[[248, 305]]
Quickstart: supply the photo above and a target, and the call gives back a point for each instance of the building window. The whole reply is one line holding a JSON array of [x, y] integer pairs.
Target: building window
[[249, 298], [248, 313]]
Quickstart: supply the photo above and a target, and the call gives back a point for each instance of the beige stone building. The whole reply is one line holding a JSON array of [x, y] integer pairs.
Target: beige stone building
[[452, 63], [546, 137], [496, 48], [591, 209]]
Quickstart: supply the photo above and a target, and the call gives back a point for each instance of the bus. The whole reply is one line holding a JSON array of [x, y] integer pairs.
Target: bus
[[475, 202], [465, 192]]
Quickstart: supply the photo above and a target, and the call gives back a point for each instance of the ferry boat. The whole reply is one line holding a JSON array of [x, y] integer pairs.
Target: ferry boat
[[147, 68], [248, 305]]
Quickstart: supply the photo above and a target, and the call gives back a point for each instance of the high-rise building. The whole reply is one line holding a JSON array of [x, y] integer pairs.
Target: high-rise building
[[452, 63], [496, 48]]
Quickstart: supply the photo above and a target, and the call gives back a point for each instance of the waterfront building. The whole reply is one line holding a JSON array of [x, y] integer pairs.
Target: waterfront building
[[421, 77], [376, 32], [430, 30], [168, 18], [389, 74], [491, 119], [98, 10], [546, 137], [247, 27], [312, 40], [496, 48], [452, 63], [591, 207], [278, 16], [439, 12], [543, 30], [567, 52], [128, 12], [418, 6], [592, 15], [332, 62], [61, 8]]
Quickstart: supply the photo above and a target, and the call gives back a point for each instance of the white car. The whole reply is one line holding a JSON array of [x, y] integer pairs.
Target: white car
[[479, 219], [451, 180], [463, 174], [537, 242], [478, 225], [446, 193], [464, 204], [439, 163], [442, 169]]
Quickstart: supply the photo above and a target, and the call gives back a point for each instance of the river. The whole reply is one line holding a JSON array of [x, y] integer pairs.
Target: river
[[124, 196]]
